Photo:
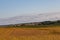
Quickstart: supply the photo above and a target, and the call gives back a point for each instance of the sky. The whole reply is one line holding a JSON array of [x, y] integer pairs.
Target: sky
[[11, 8]]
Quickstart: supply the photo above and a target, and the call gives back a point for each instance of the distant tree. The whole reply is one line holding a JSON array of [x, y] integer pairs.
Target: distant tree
[[58, 21], [22, 24], [46, 22]]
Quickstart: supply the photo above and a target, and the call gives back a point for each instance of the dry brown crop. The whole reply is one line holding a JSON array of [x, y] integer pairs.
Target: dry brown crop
[[30, 33]]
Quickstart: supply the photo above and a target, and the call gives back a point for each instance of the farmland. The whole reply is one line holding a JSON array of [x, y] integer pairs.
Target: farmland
[[47, 33]]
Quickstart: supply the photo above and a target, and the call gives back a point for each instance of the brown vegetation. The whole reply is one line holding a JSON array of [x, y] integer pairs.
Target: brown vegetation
[[30, 33]]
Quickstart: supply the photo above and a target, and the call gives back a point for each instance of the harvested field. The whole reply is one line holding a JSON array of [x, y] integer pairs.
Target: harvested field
[[30, 33]]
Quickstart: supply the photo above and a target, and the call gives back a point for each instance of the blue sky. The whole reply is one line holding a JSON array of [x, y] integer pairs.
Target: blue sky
[[11, 8]]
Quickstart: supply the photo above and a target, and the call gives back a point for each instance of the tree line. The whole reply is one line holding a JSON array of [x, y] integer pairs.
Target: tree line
[[34, 24]]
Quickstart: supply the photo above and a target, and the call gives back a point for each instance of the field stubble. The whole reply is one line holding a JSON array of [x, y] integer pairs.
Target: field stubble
[[30, 33]]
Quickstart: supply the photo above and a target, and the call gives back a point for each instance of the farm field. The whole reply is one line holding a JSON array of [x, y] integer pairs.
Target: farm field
[[50, 33]]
